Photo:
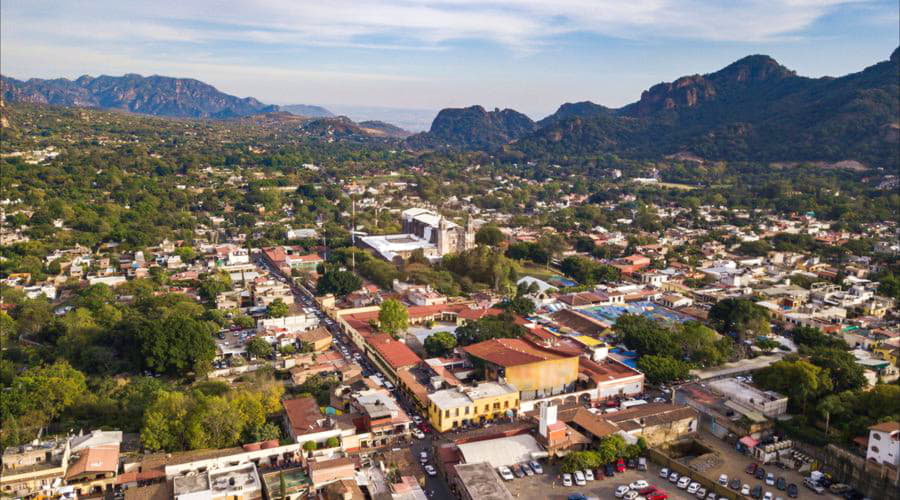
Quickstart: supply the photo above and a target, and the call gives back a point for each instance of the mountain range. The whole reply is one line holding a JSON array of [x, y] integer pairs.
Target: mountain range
[[754, 109], [153, 95], [307, 110]]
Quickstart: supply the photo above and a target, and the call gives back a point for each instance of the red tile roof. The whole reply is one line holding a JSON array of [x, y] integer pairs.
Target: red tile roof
[[510, 352], [95, 460], [303, 415], [395, 353]]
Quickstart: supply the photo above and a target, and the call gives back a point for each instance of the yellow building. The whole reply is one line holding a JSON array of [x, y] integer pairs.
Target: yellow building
[[451, 408], [536, 372]]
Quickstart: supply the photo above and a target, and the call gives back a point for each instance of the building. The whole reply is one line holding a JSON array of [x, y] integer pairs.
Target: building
[[425, 231], [296, 484], [884, 443], [319, 339], [37, 466], [479, 481], [304, 422], [536, 372], [769, 403], [240, 482], [287, 258], [450, 408], [382, 417], [325, 472], [657, 423]]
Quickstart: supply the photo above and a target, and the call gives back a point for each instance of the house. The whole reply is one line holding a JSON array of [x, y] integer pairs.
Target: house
[[536, 372], [658, 423], [451, 408], [319, 339], [325, 472], [884, 443]]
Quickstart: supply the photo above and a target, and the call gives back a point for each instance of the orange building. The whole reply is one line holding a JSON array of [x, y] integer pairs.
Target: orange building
[[535, 371]]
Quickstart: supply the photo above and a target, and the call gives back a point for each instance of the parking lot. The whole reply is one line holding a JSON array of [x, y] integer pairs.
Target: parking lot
[[549, 484]]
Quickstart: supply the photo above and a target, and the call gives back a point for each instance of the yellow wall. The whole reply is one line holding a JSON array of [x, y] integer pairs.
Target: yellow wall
[[480, 409], [543, 374]]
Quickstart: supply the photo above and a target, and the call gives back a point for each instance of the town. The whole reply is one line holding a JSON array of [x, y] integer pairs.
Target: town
[[451, 352]]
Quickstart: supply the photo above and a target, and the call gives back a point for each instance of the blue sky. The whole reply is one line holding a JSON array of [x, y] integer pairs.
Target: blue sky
[[531, 55]]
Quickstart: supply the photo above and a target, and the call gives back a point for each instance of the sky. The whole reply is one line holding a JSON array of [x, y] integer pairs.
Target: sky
[[529, 55]]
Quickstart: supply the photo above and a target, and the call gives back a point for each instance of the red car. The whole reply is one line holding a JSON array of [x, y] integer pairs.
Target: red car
[[612, 403], [648, 490], [659, 495], [620, 466], [751, 469], [598, 474]]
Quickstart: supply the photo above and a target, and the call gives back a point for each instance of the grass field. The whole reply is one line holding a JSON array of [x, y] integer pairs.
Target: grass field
[[536, 270]]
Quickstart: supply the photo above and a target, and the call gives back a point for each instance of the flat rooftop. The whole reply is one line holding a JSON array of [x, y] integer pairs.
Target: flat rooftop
[[482, 482], [501, 451]]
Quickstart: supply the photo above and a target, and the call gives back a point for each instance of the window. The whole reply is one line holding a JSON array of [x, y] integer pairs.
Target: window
[[506, 404], [874, 449], [447, 413], [456, 412], [467, 410], [877, 436], [487, 408]]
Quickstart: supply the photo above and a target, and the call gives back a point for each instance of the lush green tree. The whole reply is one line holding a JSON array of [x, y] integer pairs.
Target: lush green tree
[[663, 369], [588, 271], [310, 446], [489, 235], [492, 327], [176, 345], [813, 338], [889, 286], [393, 317], [44, 391], [259, 348], [800, 380], [766, 344], [332, 442], [846, 374], [523, 306], [580, 460], [32, 315], [702, 345], [644, 335], [339, 283], [244, 321], [7, 327], [440, 344], [740, 318], [277, 309], [165, 422]]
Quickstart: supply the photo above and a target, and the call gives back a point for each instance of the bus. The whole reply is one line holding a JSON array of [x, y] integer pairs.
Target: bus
[[631, 403]]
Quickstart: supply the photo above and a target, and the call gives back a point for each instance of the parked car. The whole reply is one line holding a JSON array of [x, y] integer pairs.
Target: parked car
[[579, 478], [664, 472], [418, 434], [631, 463], [620, 466], [536, 467], [770, 479], [423, 457], [839, 488], [639, 485], [642, 463], [760, 473], [588, 475], [751, 469], [693, 487], [430, 470], [683, 482], [792, 490], [567, 479], [711, 495], [507, 474], [701, 493], [621, 491], [526, 469], [658, 495], [647, 490], [723, 479], [673, 477], [768, 495], [745, 489], [518, 471], [631, 495], [756, 492], [735, 484], [609, 470], [781, 483], [809, 483]]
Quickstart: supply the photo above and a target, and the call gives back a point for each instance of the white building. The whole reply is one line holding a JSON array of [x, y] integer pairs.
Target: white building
[[884, 443]]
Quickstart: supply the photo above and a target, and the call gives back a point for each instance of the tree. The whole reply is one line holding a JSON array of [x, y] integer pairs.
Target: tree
[[277, 309], [766, 344], [259, 348], [310, 446], [393, 317], [522, 306], [440, 344], [177, 345], [339, 283], [44, 391], [800, 380], [702, 345], [332, 442], [644, 335], [244, 321], [580, 460], [165, 422], [492, 327], [845, 373], [740, 318], [813, 338], [663, 369], [489, 235]]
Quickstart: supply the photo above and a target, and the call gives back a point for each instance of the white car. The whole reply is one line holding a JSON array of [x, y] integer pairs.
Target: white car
[[567, 479], [588, 475], [723, 479], [638, 485], [507, 474], [418, 434], [683, 482], [768, 495], [711, 495], [770, 479], [579, 478], [631, 495], [430, 470], [745, 489], [693, 487], [701, 493], [673, 477], [621, 491], [417, 419], [423, 457], [664, 473]]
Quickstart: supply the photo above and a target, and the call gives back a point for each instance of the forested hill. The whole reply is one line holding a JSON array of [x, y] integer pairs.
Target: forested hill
[[474, 128], [152, 95], [753, 109]]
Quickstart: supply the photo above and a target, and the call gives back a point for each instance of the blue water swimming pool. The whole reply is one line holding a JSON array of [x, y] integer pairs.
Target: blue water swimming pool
[[609, 314]]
